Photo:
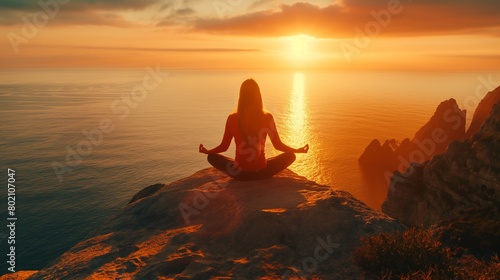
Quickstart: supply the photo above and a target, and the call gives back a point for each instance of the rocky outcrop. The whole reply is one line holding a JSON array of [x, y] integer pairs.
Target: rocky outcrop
[[381, 156], [208, 225], [447, 124], [466, 176], [483, 110], [20, 275]]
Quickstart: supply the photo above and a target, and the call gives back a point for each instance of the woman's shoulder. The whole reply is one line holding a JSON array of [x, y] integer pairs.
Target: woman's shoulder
[[268, 116], [233, 117]]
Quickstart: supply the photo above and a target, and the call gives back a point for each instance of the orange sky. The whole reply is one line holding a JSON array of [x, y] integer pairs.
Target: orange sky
[[431, 35]]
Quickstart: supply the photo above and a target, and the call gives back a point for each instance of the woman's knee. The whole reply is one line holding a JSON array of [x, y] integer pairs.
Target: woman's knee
[[219, 161], [290, 157], [211, 158], [215, 158], [283, 159]]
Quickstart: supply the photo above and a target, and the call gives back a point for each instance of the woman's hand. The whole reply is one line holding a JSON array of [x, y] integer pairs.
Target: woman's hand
[[202, 149], [303, 149]]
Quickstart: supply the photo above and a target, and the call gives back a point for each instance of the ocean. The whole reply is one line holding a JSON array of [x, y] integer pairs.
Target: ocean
[[83, 141]]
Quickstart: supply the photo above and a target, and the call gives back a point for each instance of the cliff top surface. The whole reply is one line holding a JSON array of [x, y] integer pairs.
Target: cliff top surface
[[208, 225]]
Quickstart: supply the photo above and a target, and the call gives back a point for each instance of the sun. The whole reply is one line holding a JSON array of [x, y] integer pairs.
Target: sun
[[299, 48]]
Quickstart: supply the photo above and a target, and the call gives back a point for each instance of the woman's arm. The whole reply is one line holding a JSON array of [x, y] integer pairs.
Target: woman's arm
[[225, 143], [278, 144]]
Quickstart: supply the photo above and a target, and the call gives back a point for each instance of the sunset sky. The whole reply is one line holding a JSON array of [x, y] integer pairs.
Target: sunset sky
[[442, 35]]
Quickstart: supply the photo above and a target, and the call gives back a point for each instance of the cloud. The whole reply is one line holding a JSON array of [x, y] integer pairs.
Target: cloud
[[260, 3], [81, 12], [177, 17], [71, 18], [216, 50], [337, 20], [184, 11], [81, 5], [423, 17]]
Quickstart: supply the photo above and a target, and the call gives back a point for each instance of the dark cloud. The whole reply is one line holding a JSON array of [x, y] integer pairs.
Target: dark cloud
[[81, 12], [33, 5], [423, 17], [184, 11], [71, 18]]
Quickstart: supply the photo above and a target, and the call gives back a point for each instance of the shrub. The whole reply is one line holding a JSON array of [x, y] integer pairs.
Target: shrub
[[415, 255], [470, 267], [412, 253], [477, 230]]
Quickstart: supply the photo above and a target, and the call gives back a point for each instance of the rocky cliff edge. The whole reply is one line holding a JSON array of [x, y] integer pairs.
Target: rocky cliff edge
[[209, 226]]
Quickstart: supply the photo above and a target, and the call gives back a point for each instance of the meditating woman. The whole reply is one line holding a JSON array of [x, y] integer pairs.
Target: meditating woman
[[250, 125]]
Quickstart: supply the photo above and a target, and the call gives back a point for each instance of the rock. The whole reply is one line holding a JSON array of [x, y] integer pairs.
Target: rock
[[20, 275], [447, 124], [466, 176], [208, 225], [376, 155], [483, 110], [147, 191]]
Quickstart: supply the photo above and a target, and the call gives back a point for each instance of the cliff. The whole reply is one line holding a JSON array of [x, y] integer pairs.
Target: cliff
[[466, 176], [483, 110], [446, 124], [208, 225]]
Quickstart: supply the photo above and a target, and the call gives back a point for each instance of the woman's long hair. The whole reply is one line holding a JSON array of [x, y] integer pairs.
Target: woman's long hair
[[250, 109]]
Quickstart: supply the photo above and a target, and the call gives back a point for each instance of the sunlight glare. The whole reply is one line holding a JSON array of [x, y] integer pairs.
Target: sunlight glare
[[296, 114], [299, 46], [297, 106], [298, 132]]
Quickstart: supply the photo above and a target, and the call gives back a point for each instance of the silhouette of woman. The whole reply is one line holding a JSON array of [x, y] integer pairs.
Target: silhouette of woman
[[250, 125]]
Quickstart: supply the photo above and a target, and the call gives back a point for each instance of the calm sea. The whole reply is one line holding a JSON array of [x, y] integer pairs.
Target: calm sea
[[46, 114]]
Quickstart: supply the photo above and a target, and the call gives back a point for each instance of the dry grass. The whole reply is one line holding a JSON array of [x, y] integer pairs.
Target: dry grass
[[416, 254]]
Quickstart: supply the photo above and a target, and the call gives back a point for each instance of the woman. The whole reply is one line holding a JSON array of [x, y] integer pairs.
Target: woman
[[250, 125]]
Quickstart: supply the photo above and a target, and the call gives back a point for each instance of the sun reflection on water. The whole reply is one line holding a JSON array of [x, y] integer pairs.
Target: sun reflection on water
[[297, 131]]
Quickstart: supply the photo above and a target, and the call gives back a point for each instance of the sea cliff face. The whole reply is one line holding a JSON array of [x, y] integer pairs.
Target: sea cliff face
[[466, 176], [483, 111], [208, 225], [446, 125]]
